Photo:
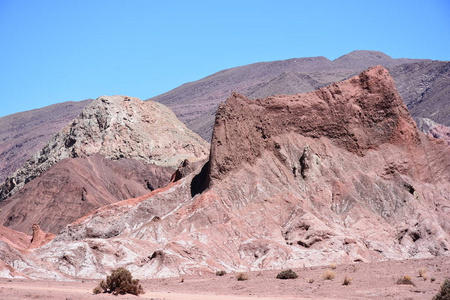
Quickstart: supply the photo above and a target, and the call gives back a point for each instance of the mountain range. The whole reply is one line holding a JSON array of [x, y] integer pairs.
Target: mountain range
[[338, 175], [311, 162], [423, 85]]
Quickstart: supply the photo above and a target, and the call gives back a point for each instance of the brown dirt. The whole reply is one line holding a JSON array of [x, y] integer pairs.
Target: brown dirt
[[369, 281]]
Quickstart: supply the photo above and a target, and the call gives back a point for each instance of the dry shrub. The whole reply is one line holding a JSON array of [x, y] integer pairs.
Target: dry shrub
[[347, 281], [311, 280], [242, 277], [333, 266], [287, 274], [221, 273], [405, 280], [119, 282], [422, 273], [444, 292], [97, 290], [329, 275]]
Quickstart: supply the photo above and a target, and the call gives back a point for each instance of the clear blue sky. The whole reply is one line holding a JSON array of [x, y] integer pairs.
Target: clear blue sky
[[70, 50]]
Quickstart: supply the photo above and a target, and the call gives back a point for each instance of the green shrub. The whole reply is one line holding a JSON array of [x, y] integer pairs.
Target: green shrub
[[221, 273], [119, 282], [287, 274], [444, 292]]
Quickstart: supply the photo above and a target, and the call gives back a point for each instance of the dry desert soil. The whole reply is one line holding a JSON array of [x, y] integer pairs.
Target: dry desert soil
[[369, 281]]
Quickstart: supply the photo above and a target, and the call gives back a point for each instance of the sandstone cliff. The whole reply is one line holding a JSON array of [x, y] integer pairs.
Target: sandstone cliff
[[339, 175]]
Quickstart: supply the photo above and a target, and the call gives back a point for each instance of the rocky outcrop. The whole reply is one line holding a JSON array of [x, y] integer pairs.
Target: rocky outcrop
[[23, 134], [115, 127], [196, 102], [339, 175], [75, 186], [40, 238], [359, 115], [433, 129]]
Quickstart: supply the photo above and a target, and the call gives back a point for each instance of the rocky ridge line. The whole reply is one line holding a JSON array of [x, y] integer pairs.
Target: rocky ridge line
[[115, 127], [305, 195]]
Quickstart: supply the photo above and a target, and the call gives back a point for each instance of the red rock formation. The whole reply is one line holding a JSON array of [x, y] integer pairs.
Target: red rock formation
[[40, 238], [118, 148], [76, 186], [358, 115], [337, 175]]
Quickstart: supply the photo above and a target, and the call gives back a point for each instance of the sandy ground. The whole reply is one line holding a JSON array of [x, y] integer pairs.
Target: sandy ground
[[369, 281]]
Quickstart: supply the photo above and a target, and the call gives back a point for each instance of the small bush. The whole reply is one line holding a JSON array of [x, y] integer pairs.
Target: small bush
[[405, 280], [97, 290], [433, 279], [311, 280], [347, 281], [422, 273], [119, 282], [242, 277], [333, 266], [444, 292], [329, 275], [221, 273], [287, 274]]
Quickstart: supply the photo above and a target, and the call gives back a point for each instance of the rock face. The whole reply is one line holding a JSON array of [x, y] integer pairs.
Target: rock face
[[433, 129], [196, 102], [338, 175], [76, 186], [115, 127], [423, 85], [25, 133]]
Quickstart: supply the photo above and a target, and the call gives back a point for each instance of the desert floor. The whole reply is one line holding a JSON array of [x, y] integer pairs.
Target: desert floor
[[369, 281]]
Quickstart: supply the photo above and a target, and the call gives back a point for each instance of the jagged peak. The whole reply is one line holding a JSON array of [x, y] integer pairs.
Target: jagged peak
[[357, 114], [115, 127]]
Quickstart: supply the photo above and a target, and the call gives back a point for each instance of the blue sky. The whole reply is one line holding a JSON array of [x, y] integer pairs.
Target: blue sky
[[56, 51]]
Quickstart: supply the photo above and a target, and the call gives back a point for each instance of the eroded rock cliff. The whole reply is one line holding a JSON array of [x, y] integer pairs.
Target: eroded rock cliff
[[115, 127], [338, 175]]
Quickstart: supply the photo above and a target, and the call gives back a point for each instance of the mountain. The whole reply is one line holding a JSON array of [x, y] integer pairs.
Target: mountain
[[117, 148], [23, 134], [425, 87], [421, 83], [338, 175], [193, 102]]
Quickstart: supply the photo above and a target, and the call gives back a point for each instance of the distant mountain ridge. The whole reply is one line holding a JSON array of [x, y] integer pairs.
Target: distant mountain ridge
[[195, 102], [423, 84], [338, 175]]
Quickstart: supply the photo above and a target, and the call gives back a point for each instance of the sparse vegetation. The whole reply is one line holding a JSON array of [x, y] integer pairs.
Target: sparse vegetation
[[405, 280], [311, 280], [333, 266], [422, 273], [221, 273], [97, 290], [182, 279], [347, 281], [287, 274], [444, 292], [119, 282], [329, 275], [242, 277]]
